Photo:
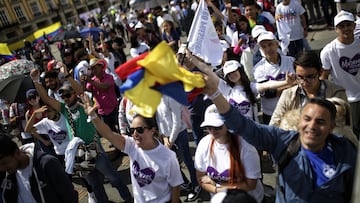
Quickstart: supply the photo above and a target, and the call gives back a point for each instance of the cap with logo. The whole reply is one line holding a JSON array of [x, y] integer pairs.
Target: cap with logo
[[212, 117], [343, 16]]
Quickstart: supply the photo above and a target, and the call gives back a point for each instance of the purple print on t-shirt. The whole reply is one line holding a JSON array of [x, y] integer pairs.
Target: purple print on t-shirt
[[351, 66], [58, 137], [143, 176], [281, 76], [216, 176], [243, 107]]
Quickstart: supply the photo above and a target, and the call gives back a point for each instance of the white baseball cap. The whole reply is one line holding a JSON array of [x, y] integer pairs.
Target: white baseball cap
[[257, 30], [267, 35], [212, 117], [343, 16], [230, 66]]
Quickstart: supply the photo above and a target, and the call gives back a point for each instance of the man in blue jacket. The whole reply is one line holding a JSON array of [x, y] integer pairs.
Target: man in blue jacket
[[322, 167]]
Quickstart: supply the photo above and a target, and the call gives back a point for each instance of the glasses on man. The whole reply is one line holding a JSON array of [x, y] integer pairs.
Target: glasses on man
[[210, 128], [308, 78], [66, 96], [31, 97], [139, 130]]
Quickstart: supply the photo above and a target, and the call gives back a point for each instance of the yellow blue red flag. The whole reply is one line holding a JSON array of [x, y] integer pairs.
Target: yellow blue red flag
[[161, 74], [5, 52]]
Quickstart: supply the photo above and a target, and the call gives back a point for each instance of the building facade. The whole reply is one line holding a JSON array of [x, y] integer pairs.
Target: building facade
[[20, 18]]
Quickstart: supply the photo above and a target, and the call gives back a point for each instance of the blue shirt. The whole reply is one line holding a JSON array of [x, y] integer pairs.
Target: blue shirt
[[323, 164]]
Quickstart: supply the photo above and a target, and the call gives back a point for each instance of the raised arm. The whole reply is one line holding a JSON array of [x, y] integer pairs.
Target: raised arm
[[217, 12], [53, 103], [274, 84], [69, 77], [203, 67], [104, 130], [29, 128]]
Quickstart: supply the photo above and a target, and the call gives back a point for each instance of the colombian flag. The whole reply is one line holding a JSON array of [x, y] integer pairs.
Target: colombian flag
[[5, 52], [155, 74], [48, 31]]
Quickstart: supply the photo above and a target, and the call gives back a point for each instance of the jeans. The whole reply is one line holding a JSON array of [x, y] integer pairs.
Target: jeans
[[325, 4], [112, 119], [355, 111], [197, 131], [182, 143], [96, 179]]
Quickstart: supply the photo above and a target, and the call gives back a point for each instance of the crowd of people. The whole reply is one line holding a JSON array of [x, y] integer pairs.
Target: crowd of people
[[309, 102]]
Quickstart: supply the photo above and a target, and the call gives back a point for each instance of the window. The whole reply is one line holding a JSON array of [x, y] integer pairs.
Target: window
[[3, 18], [35, 9], [19, 13], [49, 4], [63, 2]]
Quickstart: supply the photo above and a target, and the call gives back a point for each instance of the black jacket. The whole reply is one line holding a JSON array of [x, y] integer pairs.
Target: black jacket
[[47, 174]]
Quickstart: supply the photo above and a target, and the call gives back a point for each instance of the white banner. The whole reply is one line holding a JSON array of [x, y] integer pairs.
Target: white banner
[[203, 39]]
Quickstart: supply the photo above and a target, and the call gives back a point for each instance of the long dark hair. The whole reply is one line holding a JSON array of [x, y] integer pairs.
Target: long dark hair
[[244, 19], [245, 82]]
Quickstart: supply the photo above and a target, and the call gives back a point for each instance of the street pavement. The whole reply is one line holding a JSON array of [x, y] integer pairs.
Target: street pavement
[[317, 38]]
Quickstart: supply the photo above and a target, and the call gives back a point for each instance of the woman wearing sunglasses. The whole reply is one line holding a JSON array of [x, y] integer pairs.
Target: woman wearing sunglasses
[[34, 103], [155, 172], [226, 161]]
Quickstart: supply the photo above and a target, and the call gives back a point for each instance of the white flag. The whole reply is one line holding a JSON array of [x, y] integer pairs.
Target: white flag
[[203, 39]]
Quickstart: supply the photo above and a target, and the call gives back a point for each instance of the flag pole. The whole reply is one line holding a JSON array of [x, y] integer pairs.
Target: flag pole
[[184, 55]]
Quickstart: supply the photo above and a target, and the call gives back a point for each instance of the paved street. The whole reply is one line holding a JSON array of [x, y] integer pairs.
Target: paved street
[[318, 38]]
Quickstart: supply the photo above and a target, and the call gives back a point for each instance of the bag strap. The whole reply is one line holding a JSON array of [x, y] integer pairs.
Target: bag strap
[[71, 122], [289, 153]]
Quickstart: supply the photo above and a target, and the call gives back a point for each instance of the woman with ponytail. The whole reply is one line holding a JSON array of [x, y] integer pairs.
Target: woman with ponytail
[[226, 161]]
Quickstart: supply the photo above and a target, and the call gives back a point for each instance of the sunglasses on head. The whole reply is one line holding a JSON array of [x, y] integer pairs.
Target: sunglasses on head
[[67, 96], [30, 97], [139, 130], [214, 128]]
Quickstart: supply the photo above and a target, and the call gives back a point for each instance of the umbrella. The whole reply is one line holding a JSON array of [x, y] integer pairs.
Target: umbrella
[[13, 89], [146, 4], [16, 67], [66, 35], [15, 80], [94, 31]]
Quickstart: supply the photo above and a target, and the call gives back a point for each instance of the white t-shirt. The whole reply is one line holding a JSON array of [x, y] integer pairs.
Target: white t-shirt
[[55, 95], [153, 172], [134, 52], [218, 166], [111, 68], [344, 63], [237, 97], [57, 132], [357, 27], [291, 14], [264, 71], [269, 16], [169, 118]]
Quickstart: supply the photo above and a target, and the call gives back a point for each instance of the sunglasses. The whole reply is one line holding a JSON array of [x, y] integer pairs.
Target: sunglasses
[[31, 97], [209, 128], [67, 96], [139, 130]]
